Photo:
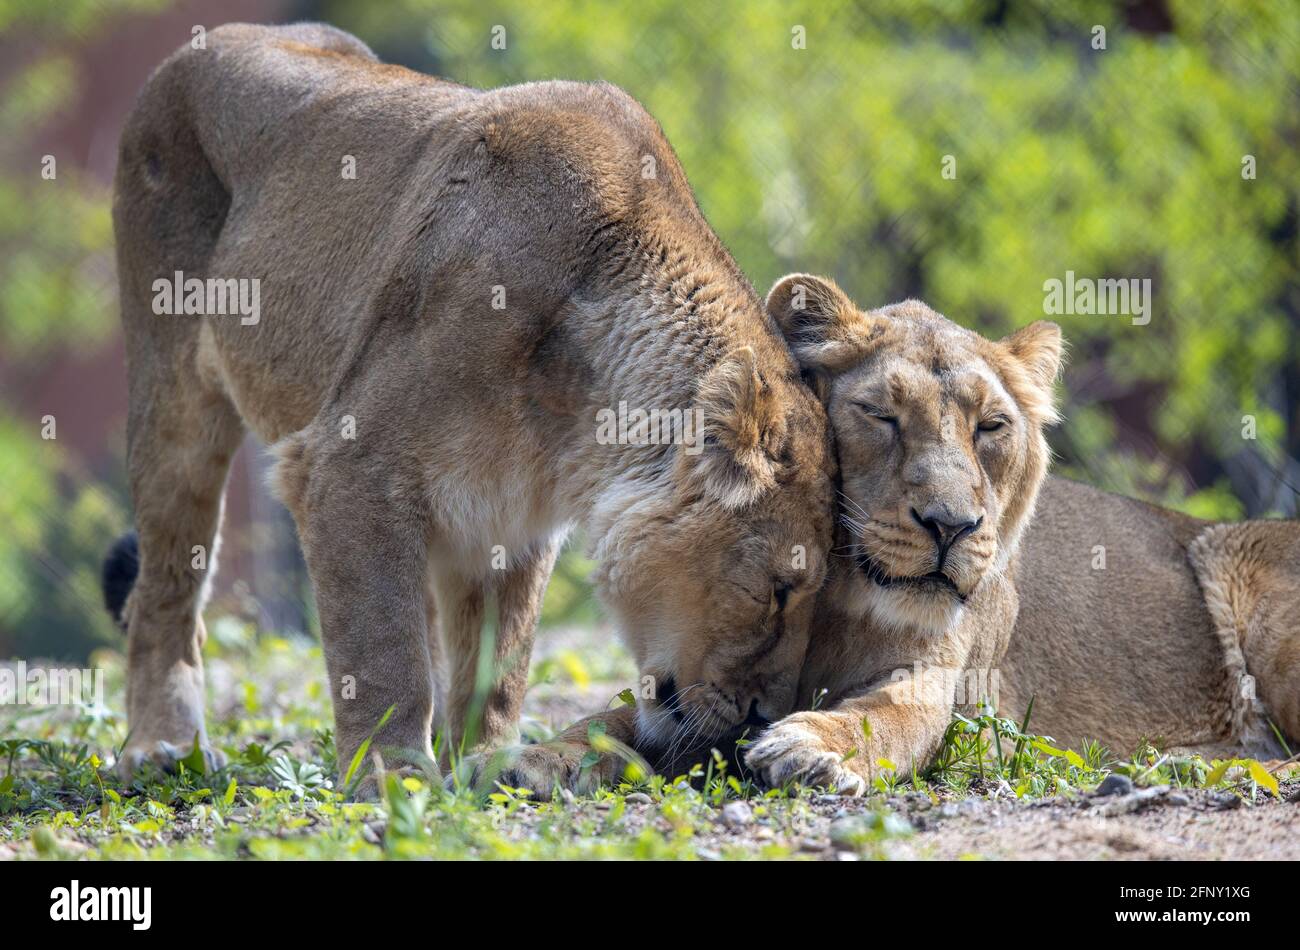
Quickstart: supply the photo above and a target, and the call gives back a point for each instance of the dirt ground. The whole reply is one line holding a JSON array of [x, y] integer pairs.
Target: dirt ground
[[1159, 824], [268, 691], [1170, 826]]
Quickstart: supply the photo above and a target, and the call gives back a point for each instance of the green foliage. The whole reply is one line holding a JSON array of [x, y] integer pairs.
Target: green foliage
[[56, 271], [56, 296], [57, 525], [276, 799], [986, 750], [569, 592]]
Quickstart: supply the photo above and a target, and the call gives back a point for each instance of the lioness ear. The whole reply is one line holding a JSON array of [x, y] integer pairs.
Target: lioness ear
[[1037, 349], [741, 425], [823, 328]]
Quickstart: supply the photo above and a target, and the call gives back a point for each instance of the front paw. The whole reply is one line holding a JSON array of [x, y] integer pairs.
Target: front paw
[[138, 755], [796, 750], [540, 768]]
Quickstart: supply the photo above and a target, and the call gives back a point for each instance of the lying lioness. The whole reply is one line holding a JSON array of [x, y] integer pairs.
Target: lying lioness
[[1121, 620], [453, 285]]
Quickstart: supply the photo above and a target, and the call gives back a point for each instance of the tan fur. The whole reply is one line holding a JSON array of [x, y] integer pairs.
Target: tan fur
[[931, 420], [1187, 636], [475, 445], [1158, 645], [939, 382], [1250, 575]]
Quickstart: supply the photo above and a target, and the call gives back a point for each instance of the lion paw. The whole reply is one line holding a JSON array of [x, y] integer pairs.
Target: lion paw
[[372, 786], [163, 755], [793, 751], [540, 768]]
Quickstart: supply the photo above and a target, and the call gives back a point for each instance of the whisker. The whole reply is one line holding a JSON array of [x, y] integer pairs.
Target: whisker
[[683, 725], [852, 504]]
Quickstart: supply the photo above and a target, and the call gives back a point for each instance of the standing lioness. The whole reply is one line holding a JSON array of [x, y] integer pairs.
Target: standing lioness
[[453, 284]]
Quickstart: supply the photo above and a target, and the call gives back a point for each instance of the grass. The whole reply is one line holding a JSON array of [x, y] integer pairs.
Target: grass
[[276, 798]]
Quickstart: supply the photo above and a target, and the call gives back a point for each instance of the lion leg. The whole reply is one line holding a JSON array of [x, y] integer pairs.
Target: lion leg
[[180, 441], [461, 609], [437, 661], [839, 747], [182, 431], [520, 593], [367, 556], [485, 694]]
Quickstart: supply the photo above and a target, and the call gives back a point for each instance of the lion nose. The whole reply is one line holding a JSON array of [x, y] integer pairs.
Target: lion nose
[[945, 528], [756, 718]]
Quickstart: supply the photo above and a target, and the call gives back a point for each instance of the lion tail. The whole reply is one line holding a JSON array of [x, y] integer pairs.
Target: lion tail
[[121, 566]]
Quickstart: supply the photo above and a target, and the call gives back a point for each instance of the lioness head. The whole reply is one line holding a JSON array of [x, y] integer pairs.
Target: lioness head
[[940, 440], [712, 576]]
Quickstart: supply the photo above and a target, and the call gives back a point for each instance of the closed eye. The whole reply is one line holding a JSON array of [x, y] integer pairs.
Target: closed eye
[[778, 598], [781, 594], [875, 412], [992, 425]]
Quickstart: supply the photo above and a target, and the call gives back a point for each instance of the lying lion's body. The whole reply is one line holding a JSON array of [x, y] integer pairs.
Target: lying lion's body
[[439, 331], [1155, 644], [1122, 621], [1137, 650]]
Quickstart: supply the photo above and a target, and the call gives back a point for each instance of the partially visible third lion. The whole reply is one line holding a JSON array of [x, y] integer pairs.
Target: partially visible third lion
[[1121, 621]]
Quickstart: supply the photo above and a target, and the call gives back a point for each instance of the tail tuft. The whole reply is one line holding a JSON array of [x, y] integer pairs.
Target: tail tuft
[[120, 569]]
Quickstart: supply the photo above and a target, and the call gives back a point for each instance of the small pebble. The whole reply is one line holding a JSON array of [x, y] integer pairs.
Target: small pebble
[[736, 814], [1226, 801], [847, 833], [639, 798], [1140, 799], [1178, 799], [1115, 784]]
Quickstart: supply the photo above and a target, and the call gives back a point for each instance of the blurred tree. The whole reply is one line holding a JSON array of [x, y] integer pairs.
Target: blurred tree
[[56, 294]]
